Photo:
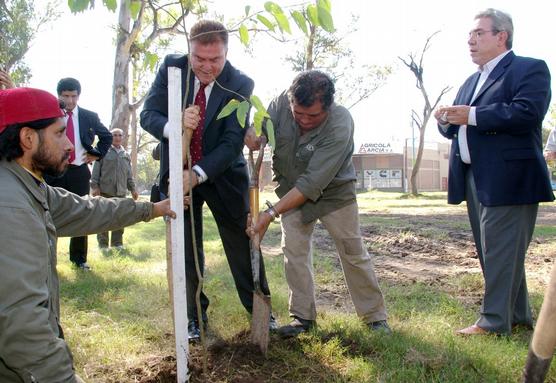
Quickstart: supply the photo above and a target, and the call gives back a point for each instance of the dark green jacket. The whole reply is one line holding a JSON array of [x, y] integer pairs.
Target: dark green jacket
[[318, 163], [33, 215]]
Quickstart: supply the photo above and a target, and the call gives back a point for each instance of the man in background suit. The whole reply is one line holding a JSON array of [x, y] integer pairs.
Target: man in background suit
[[497, 165], [86, 126], [220, 173]]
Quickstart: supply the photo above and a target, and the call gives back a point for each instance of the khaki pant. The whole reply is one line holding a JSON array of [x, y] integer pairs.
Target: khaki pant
[[343, 226]]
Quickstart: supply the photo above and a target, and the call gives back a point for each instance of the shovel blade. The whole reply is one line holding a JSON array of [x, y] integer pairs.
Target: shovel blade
[[260, 320]]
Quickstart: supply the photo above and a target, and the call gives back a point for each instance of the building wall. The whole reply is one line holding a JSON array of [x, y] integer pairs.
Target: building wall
[[392, 171]]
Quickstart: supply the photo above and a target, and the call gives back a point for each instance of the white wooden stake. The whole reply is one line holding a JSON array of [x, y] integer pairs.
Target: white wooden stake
[[176, 202]]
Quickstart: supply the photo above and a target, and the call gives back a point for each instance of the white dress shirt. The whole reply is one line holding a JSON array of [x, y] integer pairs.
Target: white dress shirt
[[485, 71], [80, 151]]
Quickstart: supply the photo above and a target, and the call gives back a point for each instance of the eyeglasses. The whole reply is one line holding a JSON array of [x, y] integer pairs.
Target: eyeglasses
[[479, 33]]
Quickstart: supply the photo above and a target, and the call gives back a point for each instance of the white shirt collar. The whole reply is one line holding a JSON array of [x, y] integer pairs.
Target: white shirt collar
[[208, 88], [489, 66]]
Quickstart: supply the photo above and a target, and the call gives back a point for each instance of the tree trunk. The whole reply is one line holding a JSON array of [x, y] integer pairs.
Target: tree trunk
[[417, 163], [309, 63], [120, 87], [133, 137]]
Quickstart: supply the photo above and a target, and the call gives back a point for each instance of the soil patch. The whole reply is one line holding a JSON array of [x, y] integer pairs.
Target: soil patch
[[433, 246]]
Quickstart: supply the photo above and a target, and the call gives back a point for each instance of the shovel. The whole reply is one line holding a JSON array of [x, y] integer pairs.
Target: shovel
[[261, 302]]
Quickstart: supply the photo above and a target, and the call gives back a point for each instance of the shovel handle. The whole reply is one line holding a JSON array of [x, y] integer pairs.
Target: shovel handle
[[185, 142]]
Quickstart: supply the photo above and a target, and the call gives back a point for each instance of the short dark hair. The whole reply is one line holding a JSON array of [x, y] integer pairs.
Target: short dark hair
[[501, 22], [208, 32], [10, 148], [311, 86], [70, 84]]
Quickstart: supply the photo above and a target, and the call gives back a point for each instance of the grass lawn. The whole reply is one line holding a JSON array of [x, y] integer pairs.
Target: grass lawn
[[117, 318]]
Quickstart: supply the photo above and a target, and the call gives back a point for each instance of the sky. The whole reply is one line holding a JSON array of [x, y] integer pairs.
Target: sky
[[82, 46]]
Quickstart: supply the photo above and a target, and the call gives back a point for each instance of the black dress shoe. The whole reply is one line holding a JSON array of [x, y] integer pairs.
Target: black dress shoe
[[193, 331], [296, 327], [272, 323], [83, 266]]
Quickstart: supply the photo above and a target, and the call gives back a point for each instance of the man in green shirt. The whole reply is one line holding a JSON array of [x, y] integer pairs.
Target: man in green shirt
[[33, 143], [112, 177], [316, 180]]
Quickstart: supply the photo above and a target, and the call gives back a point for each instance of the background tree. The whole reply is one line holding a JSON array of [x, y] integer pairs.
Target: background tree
[[327, 51], [421, 120], [19, 24], [153, 21]]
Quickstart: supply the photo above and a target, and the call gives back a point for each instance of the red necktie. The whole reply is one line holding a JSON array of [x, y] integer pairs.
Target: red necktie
[[196, 146], [71, 135]]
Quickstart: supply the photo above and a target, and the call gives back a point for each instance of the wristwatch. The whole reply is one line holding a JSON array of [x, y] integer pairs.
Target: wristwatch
[[271, 211]]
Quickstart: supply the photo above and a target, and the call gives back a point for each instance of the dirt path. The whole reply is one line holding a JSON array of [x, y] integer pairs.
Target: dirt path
[[431, 247]]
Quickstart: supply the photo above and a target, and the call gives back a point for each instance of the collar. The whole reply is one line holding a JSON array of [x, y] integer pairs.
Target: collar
[[34, 184], [208, 88], [75, 112], [489, 66]]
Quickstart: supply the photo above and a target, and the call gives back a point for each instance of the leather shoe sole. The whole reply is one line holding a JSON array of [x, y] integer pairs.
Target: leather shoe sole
[[472, 330]]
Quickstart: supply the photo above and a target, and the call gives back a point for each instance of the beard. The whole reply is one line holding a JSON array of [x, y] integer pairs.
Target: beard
[[46, 162]]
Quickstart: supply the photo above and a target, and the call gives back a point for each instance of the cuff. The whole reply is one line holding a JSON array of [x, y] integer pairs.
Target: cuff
[[166, 131], [472, 118], [201, 175]]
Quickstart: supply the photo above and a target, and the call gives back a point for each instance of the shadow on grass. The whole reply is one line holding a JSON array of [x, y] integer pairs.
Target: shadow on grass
[[94, 291]]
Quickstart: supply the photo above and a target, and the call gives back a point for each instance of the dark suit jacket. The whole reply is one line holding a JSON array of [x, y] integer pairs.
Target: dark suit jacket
[[89, 127], [223, 160], [506, 145]]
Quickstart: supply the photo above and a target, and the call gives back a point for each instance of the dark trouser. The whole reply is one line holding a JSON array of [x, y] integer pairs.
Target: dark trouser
[[75, 180], [116, 238], [236, 247], [502, 235]]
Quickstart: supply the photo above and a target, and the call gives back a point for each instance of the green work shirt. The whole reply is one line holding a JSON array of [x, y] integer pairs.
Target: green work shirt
[[318, 163], [33, 216], [112, 174]]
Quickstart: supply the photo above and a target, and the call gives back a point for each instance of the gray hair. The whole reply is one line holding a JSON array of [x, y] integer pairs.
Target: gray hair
[[501, 22]]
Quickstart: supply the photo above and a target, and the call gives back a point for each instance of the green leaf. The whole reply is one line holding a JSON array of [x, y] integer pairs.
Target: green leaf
[[300, 21], [112, 5], [242, 110], [325, 16], [270, 132], [258, 122], [272, 7], [325, 4], [281, 19], [150, 61], [283, 22], [228, 109], [256, 101], [80, 5], [267, 23], [313, 15], [134, 8], [244, 35], [247, 9]]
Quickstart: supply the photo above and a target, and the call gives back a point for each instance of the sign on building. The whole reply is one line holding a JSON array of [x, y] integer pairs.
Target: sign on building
[[375, 148]]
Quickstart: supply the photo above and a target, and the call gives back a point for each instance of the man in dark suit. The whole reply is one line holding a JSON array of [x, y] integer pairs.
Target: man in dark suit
[[220, 174], [82, 128], [497, 165]]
